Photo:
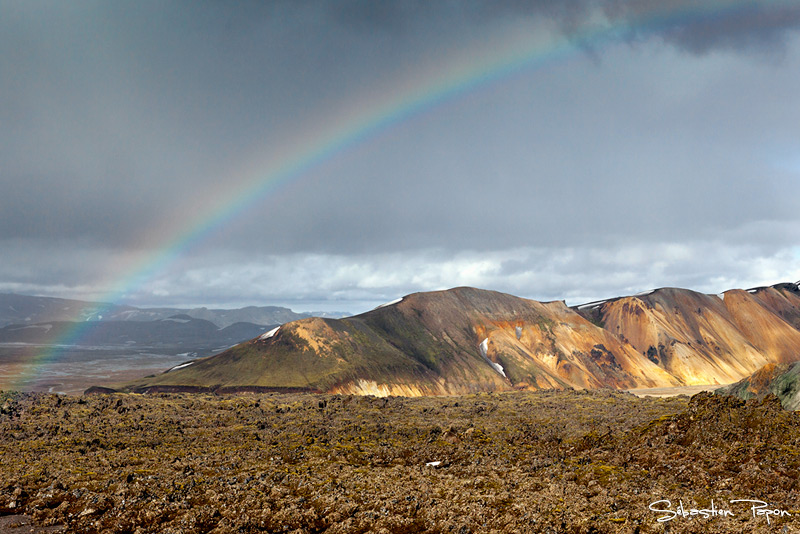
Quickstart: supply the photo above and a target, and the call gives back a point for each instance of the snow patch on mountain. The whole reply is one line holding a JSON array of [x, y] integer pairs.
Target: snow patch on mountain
[[594, 304], [390, 303], [484, 346], [269, 334], [181, 366]]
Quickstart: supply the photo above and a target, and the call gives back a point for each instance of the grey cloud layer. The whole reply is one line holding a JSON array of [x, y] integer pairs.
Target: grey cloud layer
[[123, 119], [359, 282], [698, 29]]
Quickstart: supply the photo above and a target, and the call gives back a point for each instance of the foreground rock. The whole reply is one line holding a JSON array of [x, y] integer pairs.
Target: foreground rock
[[520, 462]]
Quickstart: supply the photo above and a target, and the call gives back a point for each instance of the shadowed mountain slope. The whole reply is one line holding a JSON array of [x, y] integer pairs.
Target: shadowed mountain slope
[[781, 380]]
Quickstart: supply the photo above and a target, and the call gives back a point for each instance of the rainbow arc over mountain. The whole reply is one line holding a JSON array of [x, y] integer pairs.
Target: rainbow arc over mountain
[[258, 179]]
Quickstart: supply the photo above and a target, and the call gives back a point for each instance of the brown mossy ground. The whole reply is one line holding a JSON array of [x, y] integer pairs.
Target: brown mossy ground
[[519, 462]]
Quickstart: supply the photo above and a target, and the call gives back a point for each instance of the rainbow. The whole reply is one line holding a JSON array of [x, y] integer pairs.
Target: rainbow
[[260, 179]]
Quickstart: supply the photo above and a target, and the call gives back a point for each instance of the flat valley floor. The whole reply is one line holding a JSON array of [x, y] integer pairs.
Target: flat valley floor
[[673, 391], [71, 370], [553, 461]]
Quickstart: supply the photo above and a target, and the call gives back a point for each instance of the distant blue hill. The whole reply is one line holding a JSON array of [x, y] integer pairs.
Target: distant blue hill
[[28, 310]]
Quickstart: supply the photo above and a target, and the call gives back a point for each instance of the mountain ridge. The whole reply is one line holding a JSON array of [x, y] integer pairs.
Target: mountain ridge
[[171, 335], [466, 340], [709, 339], [27, 309]]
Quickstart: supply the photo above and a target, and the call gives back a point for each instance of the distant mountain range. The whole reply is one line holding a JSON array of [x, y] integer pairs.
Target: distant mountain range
[[468, 340], [27, 310], [172, 335], [46, 321]]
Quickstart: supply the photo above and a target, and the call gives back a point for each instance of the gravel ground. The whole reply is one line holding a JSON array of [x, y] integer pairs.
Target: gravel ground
[[557, 461]]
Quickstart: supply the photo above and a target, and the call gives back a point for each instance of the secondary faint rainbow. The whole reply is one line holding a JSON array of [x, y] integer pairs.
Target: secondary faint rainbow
[[256, 181]]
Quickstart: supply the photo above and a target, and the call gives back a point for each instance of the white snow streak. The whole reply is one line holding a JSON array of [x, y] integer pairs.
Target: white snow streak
[[484, 346], [181, 366], [270, 333], [395, 301], [595, 304]]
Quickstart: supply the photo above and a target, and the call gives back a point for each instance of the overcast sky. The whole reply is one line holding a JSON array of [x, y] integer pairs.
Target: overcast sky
[[642, 144]]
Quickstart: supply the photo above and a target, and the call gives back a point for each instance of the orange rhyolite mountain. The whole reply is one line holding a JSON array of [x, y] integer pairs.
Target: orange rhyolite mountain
[[467, 340]]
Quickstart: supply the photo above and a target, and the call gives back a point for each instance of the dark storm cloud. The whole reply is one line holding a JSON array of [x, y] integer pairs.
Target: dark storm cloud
[[735, 25], [367, 16], [681, 160], [124, 120], [116, 114], [693, 27]]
